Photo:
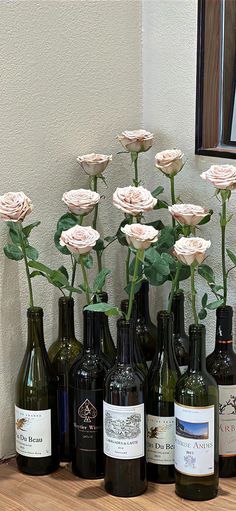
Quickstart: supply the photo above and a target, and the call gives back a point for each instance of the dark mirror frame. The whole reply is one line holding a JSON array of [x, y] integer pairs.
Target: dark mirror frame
[[215, 77]]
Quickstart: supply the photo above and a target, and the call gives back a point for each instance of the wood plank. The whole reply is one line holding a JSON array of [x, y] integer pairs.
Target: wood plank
[[63, 491]]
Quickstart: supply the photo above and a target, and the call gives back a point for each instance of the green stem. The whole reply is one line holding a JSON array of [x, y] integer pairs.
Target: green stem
[[74, 262], [173, 286], [22, 244], [173, 199], [85, 278], [138, 256], [193, 293], [223, 235], [136, 179], [94, 187], [127, 265]]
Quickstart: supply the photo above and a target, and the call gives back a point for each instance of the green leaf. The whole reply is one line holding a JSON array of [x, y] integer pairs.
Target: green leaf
[[202, 314], [63, 270], [157, 191], [206, 219], [66, 222], [140, 268], [36, 273], [231, 255], [57, 277], [157, 224], [14, 232], [213, 305], [120, 235], [110, 310], [32, 253], [72, 289], [151, 256], [184, 273], [88, 261], [204, 300], [99, 247], [110, 239], [100, 280], [161, 204], [137, 287], [40, 267], [27, 230], [63, 250], [13, 252], [206, 272], [166, 239], [154, 277]]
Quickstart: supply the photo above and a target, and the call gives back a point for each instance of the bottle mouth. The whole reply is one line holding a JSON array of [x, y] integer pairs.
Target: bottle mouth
[[123, 323], [164, 315], [66, 300], [178, 295], [196, 330], [224, 310], [34, 311], [103, 297]]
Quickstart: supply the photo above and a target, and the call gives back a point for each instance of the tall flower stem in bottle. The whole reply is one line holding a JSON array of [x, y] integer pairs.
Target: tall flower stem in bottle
[[173, 286], [138, 257], [73, 260], [193, 294], [173, 199], [223, 222], [85, 278], [23, 248], [94, 187]]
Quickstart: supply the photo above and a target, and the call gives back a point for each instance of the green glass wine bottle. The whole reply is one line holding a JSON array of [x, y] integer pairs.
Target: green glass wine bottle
[[36, 410], [196, 415], [162, 377], [146, 331], [107, 344], [62, 353], [138, 355]]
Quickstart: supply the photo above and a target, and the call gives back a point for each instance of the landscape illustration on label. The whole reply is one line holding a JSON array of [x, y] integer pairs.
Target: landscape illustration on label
[[199, 430], [128, 427]]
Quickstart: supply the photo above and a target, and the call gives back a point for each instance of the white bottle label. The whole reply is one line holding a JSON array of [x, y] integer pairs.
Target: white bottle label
[[227, 420], [33, 432], [123, 431], [160, 440], [183, 369], [194, 440]]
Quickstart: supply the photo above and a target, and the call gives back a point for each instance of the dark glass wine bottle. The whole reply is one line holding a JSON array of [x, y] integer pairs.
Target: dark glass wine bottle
[[124, 420], [139, 359], [180, 337], [221, 364], [62, 353], [107, 344], [86, 393], [162, 377], [196, 415], [36, 410], [146, 331]]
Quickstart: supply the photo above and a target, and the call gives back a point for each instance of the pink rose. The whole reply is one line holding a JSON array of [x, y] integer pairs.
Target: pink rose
[[140, 236], [15, 206], [79, 240], [170, 162], [94, 164], [222, 177], [133, 200], [190, 250], [188, 214], [81, 202], [136, 141]]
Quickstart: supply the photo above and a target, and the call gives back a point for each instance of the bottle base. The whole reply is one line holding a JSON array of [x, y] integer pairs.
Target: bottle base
[[115, 493], [196, 495]]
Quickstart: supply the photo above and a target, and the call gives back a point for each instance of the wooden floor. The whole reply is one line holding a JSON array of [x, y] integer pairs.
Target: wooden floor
[[62, 491]]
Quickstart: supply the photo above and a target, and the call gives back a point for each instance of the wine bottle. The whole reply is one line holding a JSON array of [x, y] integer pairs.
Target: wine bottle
[[180, 337], [62, 354], [162, 378], [221, 364], [196, 415], [138, 356], [124, 420], [107, 344], [36, 411], [86, 393], [145, 330]]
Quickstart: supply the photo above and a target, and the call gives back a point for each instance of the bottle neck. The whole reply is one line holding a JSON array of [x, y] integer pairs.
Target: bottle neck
[[224, 337], [197, 348], [66, 319], [125, 342], [165, 332], [178, 312], [92, 331], [142, 302], [35, 328]]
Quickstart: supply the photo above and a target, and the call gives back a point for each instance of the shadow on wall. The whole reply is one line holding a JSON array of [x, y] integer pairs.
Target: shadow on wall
[[12, 347]]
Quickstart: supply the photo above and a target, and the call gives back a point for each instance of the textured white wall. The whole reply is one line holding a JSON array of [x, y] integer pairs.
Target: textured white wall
[[169, 88], [70, 81]]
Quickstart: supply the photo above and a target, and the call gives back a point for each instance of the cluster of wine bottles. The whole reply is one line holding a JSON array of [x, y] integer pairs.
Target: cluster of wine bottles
[[101, 409]]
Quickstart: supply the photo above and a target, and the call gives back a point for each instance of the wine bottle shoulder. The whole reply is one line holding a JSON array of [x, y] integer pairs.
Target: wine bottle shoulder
[[62, 350], [194, 387], [221, 364], [120, 377], [88, 366]]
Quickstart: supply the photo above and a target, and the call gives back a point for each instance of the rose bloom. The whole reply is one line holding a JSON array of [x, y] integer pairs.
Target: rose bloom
[[94, 164], [188, 214], [222, 177], [15, 206], [78, 239], [133, 200], [140, 236], [170, 162], [81, 202], [189, 250], [136, 141]]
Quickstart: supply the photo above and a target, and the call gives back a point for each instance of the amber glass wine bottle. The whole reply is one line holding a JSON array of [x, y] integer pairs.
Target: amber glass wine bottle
[[124, 420], [86, 393], [146, 331], [162, 377], [36, 410], [138, 355], [196, 416], [221, 364], [107, 344], [62, 354], [181, 340]]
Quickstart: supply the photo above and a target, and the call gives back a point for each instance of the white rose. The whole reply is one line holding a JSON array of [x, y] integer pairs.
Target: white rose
[[94, 164], [188, 214], [189, 250], [15, 206], [81, 202], [133, 200], [222, 177], [170, 162], [140, 236], [78, 239], [136, 141]]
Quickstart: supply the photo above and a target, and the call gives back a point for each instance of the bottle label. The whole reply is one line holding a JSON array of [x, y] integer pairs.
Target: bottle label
[[194, 440], [33, 432], [183, 369], [160, 440], [88, 435], [123, 431], [227, 420]]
